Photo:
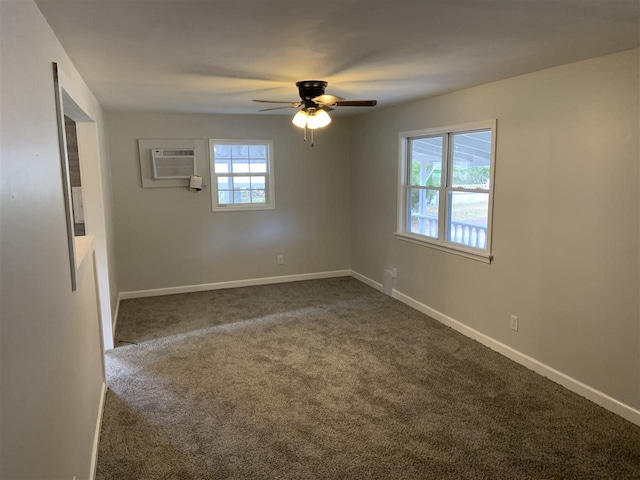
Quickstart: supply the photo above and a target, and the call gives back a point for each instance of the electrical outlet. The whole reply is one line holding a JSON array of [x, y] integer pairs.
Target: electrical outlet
[[280, 259], [514, 323]]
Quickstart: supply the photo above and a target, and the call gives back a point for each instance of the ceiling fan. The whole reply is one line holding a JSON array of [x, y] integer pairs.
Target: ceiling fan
[[315, 105]]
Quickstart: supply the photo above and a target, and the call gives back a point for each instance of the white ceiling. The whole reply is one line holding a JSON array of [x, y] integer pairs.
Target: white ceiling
[[216, 56]]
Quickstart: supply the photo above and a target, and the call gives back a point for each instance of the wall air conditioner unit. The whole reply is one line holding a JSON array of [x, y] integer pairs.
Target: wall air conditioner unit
[[171, 163]]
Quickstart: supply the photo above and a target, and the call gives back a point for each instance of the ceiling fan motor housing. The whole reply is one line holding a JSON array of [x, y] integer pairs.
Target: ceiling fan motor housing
[[310, 89]]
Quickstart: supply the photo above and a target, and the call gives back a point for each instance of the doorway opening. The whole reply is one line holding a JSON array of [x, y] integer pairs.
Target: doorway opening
[[81, 156]]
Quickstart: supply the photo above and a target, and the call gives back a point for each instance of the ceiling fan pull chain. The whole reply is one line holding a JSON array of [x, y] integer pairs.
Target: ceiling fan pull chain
[[312, 137], [305, 133]]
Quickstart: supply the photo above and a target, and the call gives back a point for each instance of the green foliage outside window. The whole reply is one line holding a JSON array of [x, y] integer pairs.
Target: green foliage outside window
[[470, 175], [461, 176]]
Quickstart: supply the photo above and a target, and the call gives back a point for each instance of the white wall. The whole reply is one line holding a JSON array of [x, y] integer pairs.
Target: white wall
[[51, 366], [565, 218], [96, 188], [168, 237]]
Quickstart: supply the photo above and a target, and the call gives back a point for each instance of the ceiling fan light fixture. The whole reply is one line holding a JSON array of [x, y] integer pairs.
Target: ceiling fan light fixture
[[315, 103], [318, 119], [300, 119]]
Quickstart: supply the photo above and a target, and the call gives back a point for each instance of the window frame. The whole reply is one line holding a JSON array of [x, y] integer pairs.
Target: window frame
[[270, 198], [441, 243]]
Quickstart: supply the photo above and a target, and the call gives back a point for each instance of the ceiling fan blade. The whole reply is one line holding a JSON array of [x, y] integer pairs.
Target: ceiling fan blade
[[277, 108], [277, 101], [327, 99], [356, 103]]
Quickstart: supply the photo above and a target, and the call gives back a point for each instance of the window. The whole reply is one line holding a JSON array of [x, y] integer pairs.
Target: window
[[446, 188], [242, 172]]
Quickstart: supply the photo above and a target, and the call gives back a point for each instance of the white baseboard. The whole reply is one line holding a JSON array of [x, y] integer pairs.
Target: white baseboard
[[366, 280], [96, 438], [531, 363], [232, 284], [590, 393]]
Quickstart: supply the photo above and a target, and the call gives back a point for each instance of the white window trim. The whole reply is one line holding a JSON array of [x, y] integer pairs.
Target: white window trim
[[450, 247], [241, 207]]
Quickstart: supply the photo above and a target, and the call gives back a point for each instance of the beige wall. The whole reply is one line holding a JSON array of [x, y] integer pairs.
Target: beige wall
[[565, 218], [168, 237], [51, 367]]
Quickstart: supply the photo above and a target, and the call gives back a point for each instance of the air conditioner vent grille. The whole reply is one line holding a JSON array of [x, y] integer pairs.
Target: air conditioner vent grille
[[172, 163], [176, 153]]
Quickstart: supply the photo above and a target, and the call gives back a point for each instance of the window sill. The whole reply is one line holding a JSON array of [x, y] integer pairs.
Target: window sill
[[463, 252], [234, 208]]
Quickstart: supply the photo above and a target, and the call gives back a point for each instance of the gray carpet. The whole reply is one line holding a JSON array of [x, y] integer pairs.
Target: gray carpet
[[330, 379]]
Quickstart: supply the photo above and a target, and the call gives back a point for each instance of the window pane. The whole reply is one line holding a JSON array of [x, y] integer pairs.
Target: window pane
[[222, 151], [224, 183], [222, 165], [426, 161], [242, 196], [423, 212], [471, 160], [241, 183], [258, 196], [239, 151], [258, 182], [240, 166], [258, 165], [257, 152], [469, 214], [224, 197]]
